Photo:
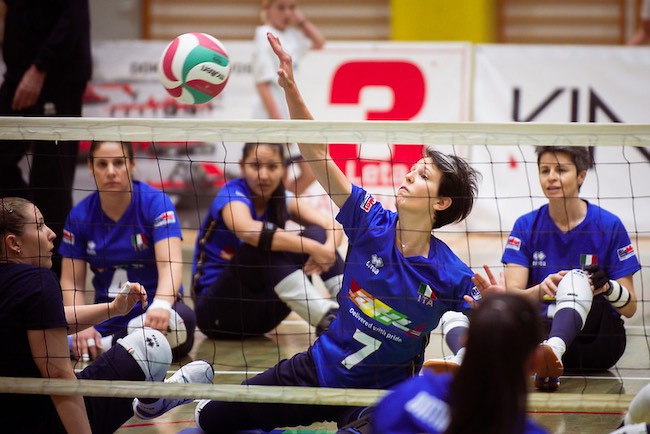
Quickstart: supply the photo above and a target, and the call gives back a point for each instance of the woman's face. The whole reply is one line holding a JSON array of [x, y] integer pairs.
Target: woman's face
[[37, 241], [280, 13], [263, 170], [419, 190], [558, 175], [111, 167]]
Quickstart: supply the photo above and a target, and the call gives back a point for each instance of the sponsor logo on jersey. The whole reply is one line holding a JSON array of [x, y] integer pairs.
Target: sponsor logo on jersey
[[375, 263], [539, 259], [368, 202], [625, 252], [90, 248], [513, 243], [475, 293], [379, 311], [587, 259], [430, 410], [68, 237], [139, 242], [165, 219]]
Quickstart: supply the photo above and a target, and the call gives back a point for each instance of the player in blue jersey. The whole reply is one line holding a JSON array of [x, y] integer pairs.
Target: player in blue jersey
[[33, 328], [583, 320], [586, 329], [489, 392], [398, 281], [249, 272], [125, 231]]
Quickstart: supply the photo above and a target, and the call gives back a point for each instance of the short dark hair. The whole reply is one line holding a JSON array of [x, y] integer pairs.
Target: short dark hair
[[127, 148], [459, 181], [580, 155]]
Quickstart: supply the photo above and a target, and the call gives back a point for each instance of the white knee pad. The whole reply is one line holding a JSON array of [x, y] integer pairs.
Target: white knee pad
[[639, 411], [450, 320], [151, 350], [176, 331], [574, 292]]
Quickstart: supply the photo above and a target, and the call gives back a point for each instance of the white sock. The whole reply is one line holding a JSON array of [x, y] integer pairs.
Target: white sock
[[459, 356], [558, 346], [639, 410]]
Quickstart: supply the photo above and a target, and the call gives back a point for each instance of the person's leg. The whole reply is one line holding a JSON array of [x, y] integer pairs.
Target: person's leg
[[600, 343], [138, 357], [12, 182], [218, 416], [573, 302], [454, 331]]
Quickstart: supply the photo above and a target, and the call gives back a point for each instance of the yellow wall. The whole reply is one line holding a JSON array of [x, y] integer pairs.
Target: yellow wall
[[443, 20]]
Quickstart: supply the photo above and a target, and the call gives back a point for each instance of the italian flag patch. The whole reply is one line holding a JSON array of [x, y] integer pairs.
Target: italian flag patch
[[586, 260]]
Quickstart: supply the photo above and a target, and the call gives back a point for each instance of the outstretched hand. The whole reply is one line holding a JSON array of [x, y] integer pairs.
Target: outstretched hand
[[488, 286], [285, 71]]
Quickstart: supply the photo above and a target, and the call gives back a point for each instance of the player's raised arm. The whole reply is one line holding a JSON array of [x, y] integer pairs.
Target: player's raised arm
[[333, 180]]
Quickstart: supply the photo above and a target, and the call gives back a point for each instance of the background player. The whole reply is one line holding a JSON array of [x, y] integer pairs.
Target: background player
[[583, 315], [586, 329], [489, 393], [284, 19], [33, 328], [248, 271], [126, 230], [398, 280]]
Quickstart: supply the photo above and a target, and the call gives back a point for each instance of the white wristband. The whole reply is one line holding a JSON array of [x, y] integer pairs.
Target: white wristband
[[160, 304], [618, 295]]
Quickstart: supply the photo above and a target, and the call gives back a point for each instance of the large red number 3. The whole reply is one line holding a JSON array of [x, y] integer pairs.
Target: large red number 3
[[407, 83], [404, 78]]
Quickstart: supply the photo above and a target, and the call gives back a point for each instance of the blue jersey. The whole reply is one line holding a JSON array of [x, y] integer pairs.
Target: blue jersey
[[421, 405], [538, 244], [215, 243], [388, 303], [122, 250]]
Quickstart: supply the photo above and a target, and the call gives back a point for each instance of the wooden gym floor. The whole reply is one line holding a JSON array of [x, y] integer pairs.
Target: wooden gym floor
[[293, 335]]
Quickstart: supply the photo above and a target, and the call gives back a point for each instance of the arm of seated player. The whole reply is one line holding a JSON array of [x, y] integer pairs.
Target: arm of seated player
[[628, 309], [328, 174], [517, 281], [169, 263], [50, 353], [83, 317], [73, 285]]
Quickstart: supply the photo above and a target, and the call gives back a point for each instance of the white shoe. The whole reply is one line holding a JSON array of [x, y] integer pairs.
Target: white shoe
[[197, 372]]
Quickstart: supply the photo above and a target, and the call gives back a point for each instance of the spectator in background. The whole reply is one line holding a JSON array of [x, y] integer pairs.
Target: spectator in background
[[283, 19], [642, 34], [46, 50]]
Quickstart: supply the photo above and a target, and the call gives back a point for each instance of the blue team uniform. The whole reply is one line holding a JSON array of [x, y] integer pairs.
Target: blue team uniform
[[388, 304], [600, 239], [421, 405], [122, 250], [218, 243]]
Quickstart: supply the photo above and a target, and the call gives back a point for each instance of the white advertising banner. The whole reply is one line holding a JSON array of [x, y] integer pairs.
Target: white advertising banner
[[529, 83]]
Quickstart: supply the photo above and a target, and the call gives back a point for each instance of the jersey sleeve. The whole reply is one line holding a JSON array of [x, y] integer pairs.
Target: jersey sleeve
[[165, 220], [360, 213], [518, 244], [73, 244], [44, 308], [622, 259]]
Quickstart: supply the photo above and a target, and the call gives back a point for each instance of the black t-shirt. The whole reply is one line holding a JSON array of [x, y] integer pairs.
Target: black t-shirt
[[30, 299]]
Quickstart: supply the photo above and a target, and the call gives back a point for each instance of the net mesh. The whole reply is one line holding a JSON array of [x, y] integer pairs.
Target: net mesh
[[190, 160]]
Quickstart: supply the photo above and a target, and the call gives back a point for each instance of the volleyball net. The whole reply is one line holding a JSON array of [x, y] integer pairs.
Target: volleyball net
[[191, 160]]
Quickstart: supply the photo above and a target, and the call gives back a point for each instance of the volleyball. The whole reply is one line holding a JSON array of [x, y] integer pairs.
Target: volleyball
[[194, 68]]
